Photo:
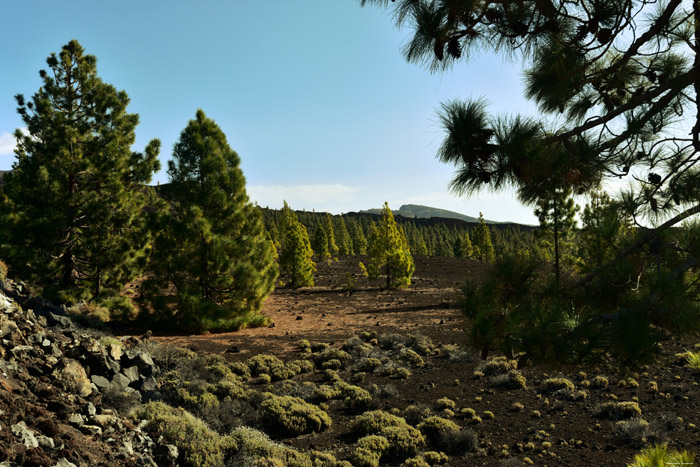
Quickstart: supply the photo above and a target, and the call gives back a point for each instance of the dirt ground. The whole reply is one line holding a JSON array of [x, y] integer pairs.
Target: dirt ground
[[540, 429], [331, 311]]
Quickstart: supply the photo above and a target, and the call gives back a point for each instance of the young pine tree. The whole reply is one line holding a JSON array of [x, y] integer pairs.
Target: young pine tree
[[344, 241], [296, 256], [481, 242], [556, 213], [72, 214], [330, 234], [212, 250], [320, 244], [465, 246], [388, 249], [359, 241]]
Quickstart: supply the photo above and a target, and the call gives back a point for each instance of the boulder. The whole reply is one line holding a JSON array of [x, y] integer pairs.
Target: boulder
[[74, 377]]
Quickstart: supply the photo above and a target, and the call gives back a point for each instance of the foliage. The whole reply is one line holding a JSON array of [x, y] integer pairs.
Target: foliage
[[556, 212], [291, 416], [482, 248], [72, 211], [330, 234], [295, 258], [389, 249], [614, 82], [211, 246], [320, 244], [659, 455], [197, 443]]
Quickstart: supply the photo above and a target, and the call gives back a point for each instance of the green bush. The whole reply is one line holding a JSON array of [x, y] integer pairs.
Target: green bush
[[555, 384], [3, 271], [197, 443], [446, 435], [292, 416], [404, 441], [511, 380], [618, 410], [256, 446], [374, 422], [659, 455]]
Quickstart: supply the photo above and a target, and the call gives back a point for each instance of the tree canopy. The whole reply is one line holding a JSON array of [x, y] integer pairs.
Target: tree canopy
[[72, 215]]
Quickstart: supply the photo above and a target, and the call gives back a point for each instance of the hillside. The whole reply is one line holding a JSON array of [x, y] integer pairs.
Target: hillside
[[426, 212]]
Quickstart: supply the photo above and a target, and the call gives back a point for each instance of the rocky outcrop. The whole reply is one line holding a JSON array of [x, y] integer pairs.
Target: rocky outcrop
[[63, 389]]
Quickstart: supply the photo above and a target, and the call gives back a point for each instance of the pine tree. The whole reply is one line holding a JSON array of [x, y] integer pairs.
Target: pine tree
[[465, 247], [328, 227], [296, 257], [481, 242], [389, 249], [344, 241], [556, 213], [73, 208], [212, 249], [320, 244], [359, 241]]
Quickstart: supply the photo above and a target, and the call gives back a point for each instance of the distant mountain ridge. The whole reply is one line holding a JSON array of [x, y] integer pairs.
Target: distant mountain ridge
[[426, 212]]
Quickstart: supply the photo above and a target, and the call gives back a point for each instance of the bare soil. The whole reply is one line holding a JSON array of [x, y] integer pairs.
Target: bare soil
[[562, 432]]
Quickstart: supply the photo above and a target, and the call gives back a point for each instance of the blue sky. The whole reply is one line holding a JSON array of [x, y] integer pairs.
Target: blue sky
[[314, 95]]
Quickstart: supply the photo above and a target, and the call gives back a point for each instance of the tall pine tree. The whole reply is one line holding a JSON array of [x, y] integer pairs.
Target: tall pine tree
[[556, 213], [482, 247], [213, 249], [388, 250], [320, 245], [296, 258], [73, 211], [330, 234]]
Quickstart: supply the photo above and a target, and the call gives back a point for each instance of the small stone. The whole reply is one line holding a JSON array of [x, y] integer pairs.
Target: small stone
[[104, 420], [132, 373], [299, 318], [89, 409], [101, 382], [149, 384], [76, 419], [45, 442], [93, 430], [272, 325], [22, 431], [64, 463], [120, 381]]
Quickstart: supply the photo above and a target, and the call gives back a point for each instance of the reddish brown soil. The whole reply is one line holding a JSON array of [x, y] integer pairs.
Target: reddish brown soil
[[572, 433], [330, 311]]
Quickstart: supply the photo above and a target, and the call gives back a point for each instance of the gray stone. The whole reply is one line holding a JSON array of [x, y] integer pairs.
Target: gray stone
[[132, 373], [93, 430], [104, 420], [25, 435], [101, 382], [120, 381], [58, 320], [45, 442], [149, 384], [89, 409], [76, 419]]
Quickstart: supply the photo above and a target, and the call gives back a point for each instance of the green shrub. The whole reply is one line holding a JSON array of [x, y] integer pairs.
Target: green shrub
[[618, 410], [356, 398], [692, 360], [197, 443], [498, 366], [414, 414], [362, 457], [599, 382], [659, 455], [511, 380], [292, 416], [435, 458], [445, 403], [326, 392], [265, 364], [446, 435], [555, 384], [410, 357], [374, 422], [374, 443], [254, 446], [3, 271], [369, 364], [404, 441], [331, 354], [418, 461]]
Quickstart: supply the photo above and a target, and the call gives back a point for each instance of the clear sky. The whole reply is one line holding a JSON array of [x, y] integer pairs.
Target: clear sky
[[314, 95]]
